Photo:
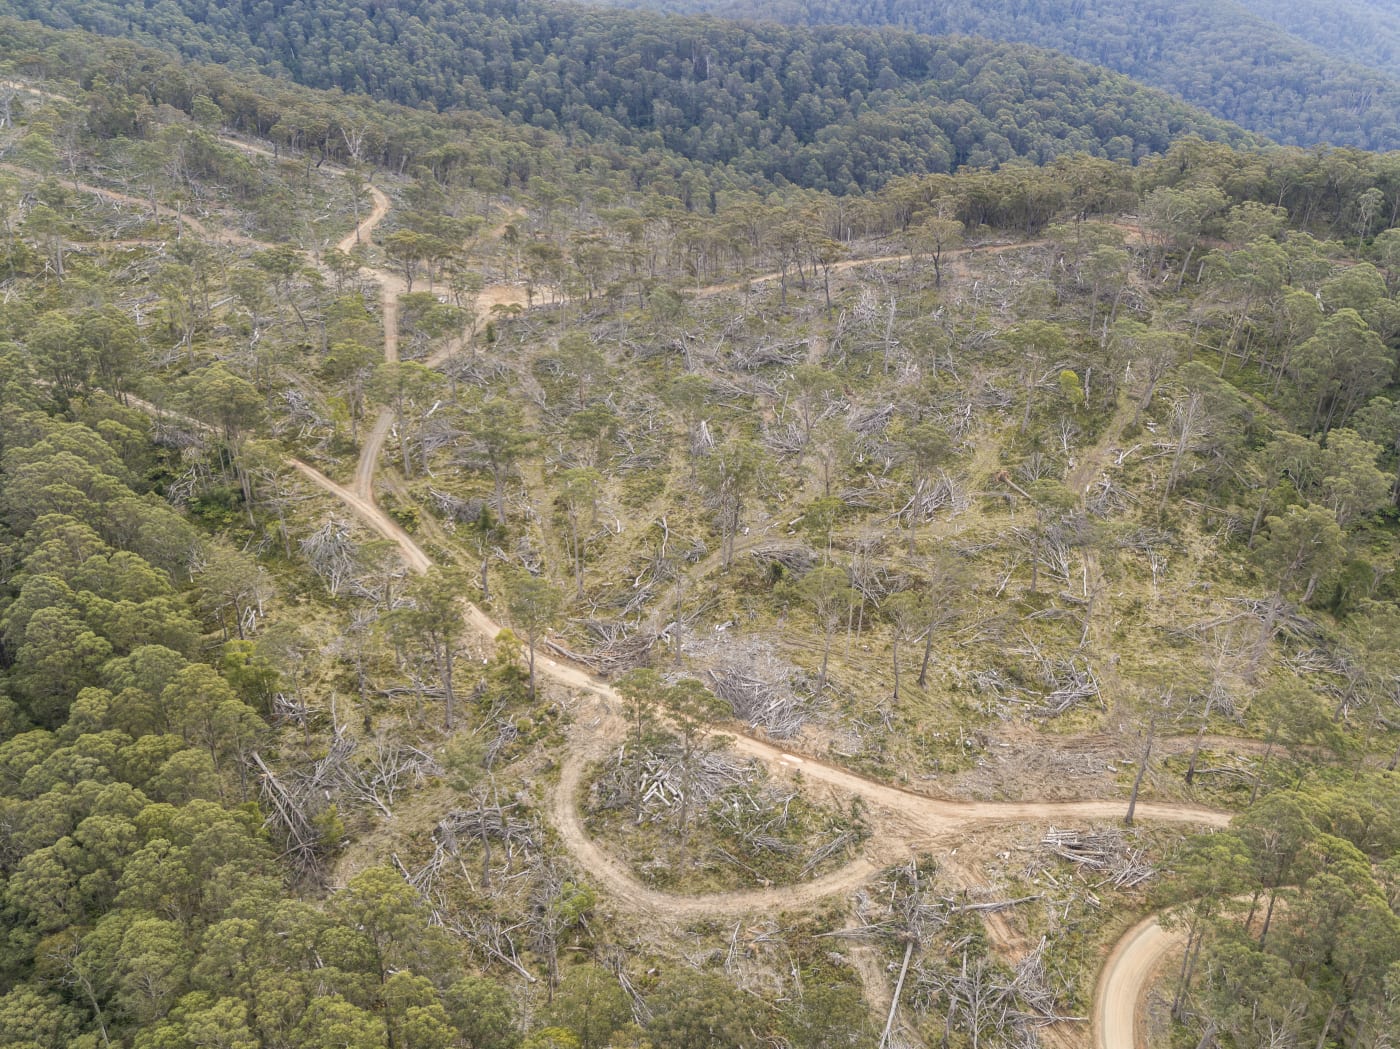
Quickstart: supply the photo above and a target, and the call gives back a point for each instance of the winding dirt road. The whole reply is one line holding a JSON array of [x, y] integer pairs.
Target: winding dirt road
[[904, 821]]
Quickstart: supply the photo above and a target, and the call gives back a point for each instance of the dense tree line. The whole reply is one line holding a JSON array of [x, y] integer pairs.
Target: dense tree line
[[142, 896], [831, 109], [1293, 936], [1288, 71]]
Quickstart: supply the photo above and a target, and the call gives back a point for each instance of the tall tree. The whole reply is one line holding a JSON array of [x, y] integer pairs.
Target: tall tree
[[435, 620], [533, 604], [729, 474], [826, 590], [579, 492]]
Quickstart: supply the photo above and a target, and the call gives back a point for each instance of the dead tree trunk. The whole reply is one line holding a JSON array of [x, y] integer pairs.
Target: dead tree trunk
[[1141, 772]]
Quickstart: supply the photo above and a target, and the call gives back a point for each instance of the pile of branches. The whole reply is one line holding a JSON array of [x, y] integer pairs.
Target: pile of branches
[[506, 734], [1105, 499], [752, 358], [945, 493], [291, 819], [958, 421], [978, 995], [486, 822], [1106, 852], [757, 684], [866, 497], [870, 422], [463, 511], [304, 415], [177, 433], [995, 683], [294, 799], [796, 558], [1154, 544], [1287, 619], [1069, 682], [486, 825], [621, 648], [1072, 685], [386, 767], [635, 451], [901, 907], [758, 819], [330, 551], [437, 431], [989, 395], [785, 440], [476, 369], [661, 778]]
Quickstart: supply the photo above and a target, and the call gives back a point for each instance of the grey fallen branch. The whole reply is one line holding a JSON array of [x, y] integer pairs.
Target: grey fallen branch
[[1105, 852]]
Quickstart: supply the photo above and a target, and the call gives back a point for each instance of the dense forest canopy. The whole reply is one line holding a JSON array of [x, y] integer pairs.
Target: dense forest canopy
[[1300, 73], [1366, 32], [830, 109]]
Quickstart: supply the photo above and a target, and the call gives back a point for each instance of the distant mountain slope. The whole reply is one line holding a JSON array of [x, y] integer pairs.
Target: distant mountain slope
[[1366, 32], [1294, 71], [829, 108]]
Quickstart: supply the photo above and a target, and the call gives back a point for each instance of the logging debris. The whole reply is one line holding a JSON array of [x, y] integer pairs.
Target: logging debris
[[748, 674], [1106, 852]]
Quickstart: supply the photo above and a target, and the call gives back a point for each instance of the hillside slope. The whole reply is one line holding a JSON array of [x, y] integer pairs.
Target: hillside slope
[[1294, 72], [1366, 32], [825, 108]]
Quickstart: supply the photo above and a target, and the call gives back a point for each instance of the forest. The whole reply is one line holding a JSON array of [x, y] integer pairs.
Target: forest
[[1299, 72], [823, 109], [472, 581]]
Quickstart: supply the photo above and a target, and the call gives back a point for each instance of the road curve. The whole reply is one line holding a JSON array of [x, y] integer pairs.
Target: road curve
[[906, 820], [1123, 983]]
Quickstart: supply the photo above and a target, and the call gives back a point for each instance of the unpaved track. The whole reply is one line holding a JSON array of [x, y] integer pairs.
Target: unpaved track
[[627, 893], [903, 821], [919, 819], [369, 513], [1123, 983], [369, 455], [361, 233], [221, 236], [846, 265]]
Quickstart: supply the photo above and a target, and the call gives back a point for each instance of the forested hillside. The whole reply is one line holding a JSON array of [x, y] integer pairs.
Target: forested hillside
[[837, 110], [1366, 32], [1298, 72], [473, 585]]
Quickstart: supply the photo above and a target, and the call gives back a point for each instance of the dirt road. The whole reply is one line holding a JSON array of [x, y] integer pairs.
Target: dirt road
[[361, 233], [1123, 983], [903, 821], [369, 513]]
